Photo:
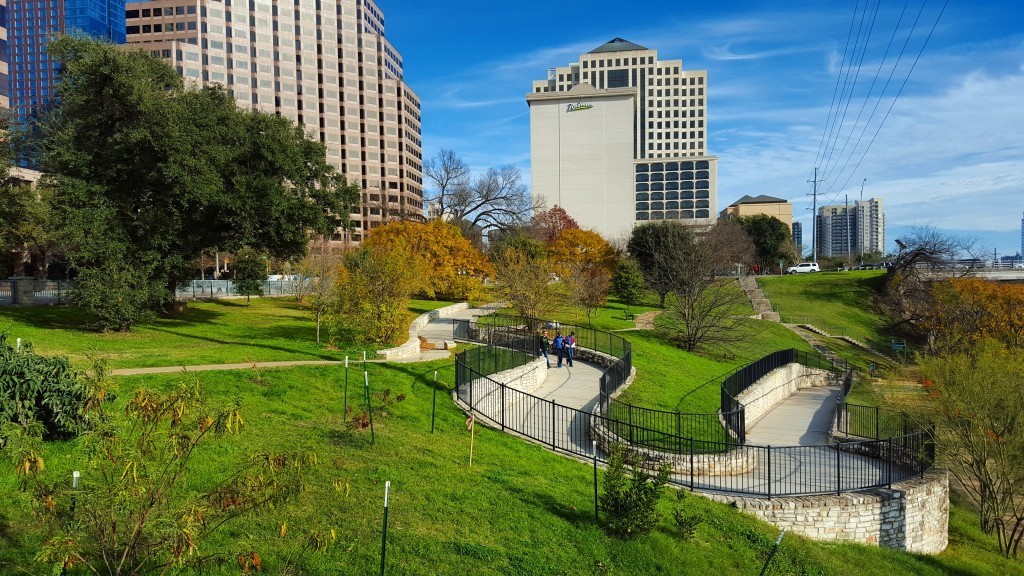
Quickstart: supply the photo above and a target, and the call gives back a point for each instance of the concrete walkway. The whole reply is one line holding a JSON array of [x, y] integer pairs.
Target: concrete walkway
[[438, 330], [803, 419]]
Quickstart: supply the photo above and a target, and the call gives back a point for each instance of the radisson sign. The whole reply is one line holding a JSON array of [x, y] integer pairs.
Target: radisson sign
[[578, 106]]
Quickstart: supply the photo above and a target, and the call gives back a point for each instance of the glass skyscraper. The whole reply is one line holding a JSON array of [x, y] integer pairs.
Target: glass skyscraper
[[31, 25]]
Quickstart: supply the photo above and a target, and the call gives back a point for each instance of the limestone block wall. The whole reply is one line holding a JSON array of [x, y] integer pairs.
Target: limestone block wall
[[913, 515], [411, 347], [738, 461], [777, 385]]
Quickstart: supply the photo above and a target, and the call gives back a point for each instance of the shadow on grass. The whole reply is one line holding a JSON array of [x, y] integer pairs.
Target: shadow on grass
[[321, 356], [545, 501], [61, 316], [445, 375]]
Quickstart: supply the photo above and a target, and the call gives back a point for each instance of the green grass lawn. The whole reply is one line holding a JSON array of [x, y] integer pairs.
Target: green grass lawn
[[210, 332], [837, 302], [519, 510], [669, 378]]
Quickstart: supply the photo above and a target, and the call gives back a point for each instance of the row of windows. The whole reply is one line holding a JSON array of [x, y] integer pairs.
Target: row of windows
[[674, 195], [146, 12], [673, 215], [672, 176], [674, 166], [169, 27], [672, 205], [685, 185]]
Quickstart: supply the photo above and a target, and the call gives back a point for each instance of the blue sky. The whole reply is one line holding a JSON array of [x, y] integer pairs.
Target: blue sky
[[949, 154]]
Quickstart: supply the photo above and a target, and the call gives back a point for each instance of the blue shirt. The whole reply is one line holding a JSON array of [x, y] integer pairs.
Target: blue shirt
[[559, 341]]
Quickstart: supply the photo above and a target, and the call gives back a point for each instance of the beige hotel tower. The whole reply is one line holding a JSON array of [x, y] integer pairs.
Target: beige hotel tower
[[322, 63], [620, 138]]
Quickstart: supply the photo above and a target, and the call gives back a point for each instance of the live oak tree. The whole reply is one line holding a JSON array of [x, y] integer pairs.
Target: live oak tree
[[773, 241], [149, 174]]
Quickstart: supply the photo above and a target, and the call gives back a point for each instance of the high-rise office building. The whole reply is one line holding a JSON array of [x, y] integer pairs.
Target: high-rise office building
[[5, 51], [851, 230], [620, 138], [798, 239], [325, 65], [31, 25], [1021, 238]]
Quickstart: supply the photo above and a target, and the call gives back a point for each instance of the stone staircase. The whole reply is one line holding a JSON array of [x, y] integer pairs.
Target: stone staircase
[[762, 306]]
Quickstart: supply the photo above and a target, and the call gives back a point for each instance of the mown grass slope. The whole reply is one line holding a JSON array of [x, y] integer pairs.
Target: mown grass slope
[[519, 510]]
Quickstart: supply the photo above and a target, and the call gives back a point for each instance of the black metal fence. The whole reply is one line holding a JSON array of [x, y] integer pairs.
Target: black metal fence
[[760, 471], [685, 441]]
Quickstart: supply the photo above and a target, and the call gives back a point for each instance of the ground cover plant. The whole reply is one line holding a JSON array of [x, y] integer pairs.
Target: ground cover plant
[[519, 510], [211, 332]]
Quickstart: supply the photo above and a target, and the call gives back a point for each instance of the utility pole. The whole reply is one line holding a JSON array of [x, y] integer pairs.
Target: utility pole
[[814, 218], [860, 223]]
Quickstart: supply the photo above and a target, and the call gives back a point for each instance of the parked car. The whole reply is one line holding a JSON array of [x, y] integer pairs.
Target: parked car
[[803, 267]]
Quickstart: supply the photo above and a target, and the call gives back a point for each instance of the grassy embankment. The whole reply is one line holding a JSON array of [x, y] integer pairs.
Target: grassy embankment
[[212, 332], [519, 510]]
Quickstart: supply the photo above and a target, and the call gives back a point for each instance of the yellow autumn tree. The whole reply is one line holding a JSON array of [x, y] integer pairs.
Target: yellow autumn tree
[[454, 269], [584, 261], [576, 249]]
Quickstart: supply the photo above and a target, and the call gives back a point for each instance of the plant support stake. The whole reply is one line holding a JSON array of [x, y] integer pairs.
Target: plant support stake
[[433, 406], [596, 519], [384, 535], [772, 554], [369, 412]]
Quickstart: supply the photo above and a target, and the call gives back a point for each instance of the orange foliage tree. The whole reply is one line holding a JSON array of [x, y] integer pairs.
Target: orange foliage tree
[[585, 262], [967, 310], [454, 269]]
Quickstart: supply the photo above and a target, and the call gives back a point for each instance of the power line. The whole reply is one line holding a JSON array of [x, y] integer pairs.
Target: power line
[[904, 85], [871, 89], [835, 91]]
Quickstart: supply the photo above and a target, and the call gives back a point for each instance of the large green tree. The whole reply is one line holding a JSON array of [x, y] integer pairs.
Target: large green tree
[[150, 174], [655, 246], [773, 241]]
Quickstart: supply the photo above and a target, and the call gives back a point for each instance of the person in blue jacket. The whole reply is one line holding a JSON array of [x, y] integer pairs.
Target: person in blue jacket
[[559, 347]]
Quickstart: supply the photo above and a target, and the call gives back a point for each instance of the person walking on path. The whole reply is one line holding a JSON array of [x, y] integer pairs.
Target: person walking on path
[[559, 347], [542, 342], [570, 348]]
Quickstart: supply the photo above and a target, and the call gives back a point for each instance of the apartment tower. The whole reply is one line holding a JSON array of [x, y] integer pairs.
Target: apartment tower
[[30, 25], [851, 230], [620, 138], [323, 64]]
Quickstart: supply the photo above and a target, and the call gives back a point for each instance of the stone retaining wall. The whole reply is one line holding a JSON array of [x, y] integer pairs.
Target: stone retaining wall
[[411, 347], [913, 515], [765, 394]]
